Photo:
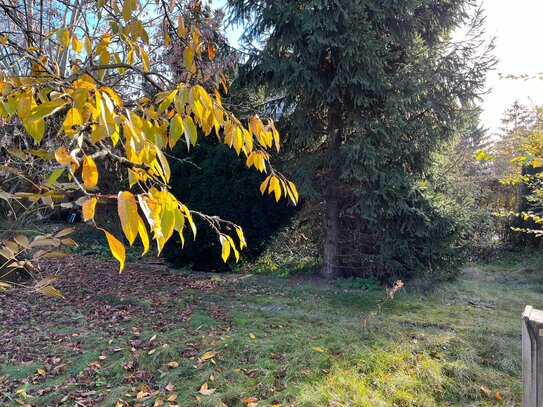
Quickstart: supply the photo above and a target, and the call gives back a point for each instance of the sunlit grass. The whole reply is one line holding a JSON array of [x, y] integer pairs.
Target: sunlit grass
[[316, 346]]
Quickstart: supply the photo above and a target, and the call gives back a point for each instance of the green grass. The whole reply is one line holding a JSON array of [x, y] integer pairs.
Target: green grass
[[315, 346]]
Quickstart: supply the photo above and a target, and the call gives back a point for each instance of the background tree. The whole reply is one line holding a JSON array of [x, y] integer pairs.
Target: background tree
[[368, 92], [515, 164], [77, 93]]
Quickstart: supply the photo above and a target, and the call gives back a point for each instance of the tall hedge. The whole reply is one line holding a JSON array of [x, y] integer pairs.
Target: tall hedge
[[212, 179]]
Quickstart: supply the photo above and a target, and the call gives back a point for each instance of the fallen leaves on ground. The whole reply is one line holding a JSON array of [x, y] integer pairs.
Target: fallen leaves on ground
[[37, 329]]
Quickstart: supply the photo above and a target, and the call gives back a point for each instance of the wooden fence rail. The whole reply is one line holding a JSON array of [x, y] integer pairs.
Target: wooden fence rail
[[532, 357]]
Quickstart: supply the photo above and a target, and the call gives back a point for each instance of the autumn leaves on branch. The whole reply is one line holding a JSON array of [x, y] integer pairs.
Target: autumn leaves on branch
[[88, 115]]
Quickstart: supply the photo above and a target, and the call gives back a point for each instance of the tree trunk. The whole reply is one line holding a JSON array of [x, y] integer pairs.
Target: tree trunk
[[330, 268]]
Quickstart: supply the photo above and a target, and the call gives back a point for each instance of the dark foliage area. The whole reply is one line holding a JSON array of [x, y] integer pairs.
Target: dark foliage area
[[212, 179]]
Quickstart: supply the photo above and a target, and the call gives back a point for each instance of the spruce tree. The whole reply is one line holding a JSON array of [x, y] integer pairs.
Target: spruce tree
[[368, 89]]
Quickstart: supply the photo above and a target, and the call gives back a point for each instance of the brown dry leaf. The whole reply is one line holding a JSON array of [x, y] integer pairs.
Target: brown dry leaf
[[252, 372], [248, 400], [419, 357], [102, 357], [205, 390], [170, 387], [498, 396], [486, 391], [173, 365]]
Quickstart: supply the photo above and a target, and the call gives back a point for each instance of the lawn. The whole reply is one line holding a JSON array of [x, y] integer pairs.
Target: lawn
[[154, 336]]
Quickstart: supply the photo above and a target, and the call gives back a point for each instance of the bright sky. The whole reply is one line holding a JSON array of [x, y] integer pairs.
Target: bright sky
[[517, 28]]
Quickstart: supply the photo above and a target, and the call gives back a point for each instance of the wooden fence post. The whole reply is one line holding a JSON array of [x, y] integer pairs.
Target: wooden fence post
[[532, 357]]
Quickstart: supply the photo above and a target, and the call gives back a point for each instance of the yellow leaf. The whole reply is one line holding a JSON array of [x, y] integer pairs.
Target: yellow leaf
[[25, 104], [207, 355], [188, 215], [188, 57], [276, 139], [167, 101], [63, 156], [36, 128], [275, 186], [264, 184], [117, 249], [173, 365], [191, 134], [46, 109], [113, 95], [127, 208], [41, 372], [88, 45], [318, 349], [76, 44], [166, 171], [233, 247], [88, 208], [151, 351], [225, 252], [145, 60], [4, 286], [73, 118], [63, 36], [498, 396], [176, 130], [144, 236], [293, 192], [90, 172], [252, 336], [241, 237]]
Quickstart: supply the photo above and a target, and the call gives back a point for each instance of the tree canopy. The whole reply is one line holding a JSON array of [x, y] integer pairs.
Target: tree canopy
[[367, 92], [80, 91]]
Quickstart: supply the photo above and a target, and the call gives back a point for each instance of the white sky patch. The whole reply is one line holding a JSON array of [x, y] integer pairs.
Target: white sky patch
[[516, 27]]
